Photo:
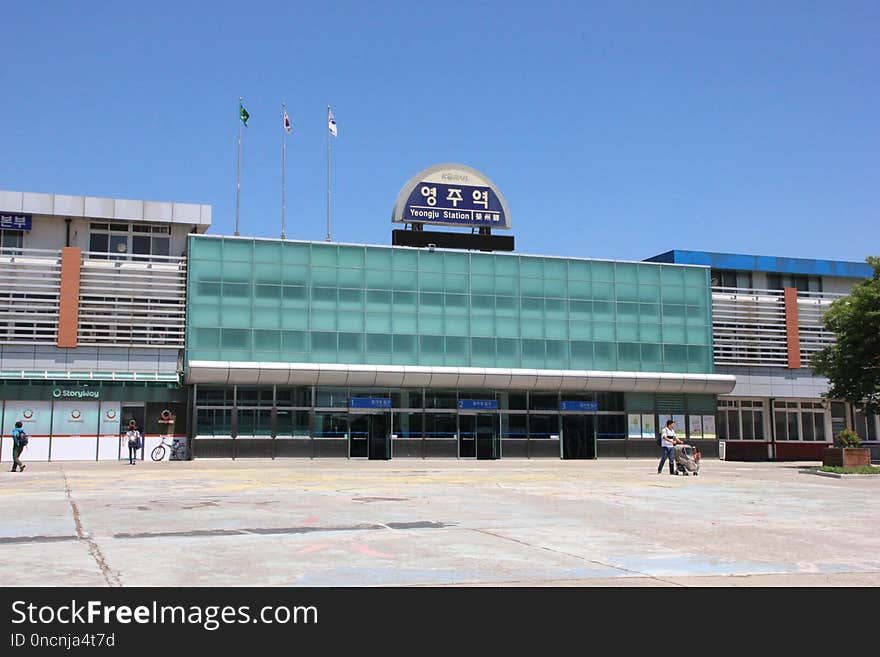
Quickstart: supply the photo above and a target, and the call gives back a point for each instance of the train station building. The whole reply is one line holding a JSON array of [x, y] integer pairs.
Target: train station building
[[114, 309]]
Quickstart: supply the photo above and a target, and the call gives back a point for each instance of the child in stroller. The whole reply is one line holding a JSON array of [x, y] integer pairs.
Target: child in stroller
[[687, 459]]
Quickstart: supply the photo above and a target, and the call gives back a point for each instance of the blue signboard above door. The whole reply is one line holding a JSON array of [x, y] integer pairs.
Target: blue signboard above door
[[478, 404], [15, 221], [369, 402], [581, 406]]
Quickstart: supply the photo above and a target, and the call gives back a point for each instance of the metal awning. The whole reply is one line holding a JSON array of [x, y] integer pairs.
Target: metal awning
[[406, 376]]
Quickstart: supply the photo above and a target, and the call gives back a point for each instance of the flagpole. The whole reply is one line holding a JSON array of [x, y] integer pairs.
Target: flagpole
[[238, 171], [328, 174], [283, 170]]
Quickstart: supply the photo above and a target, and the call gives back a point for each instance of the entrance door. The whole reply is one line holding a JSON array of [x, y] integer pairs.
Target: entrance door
[[478, 436], [138, 414], [578, 436], [370, 436]]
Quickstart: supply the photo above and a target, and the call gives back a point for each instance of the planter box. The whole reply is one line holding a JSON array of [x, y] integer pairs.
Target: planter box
[[846, 457]]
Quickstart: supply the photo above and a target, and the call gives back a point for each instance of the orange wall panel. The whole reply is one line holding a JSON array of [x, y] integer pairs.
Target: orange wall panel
[[68, 306], [792, 328]]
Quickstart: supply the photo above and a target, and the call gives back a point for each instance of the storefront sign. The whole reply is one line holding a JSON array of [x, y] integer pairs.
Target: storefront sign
[[582, 406], [15, 221], [76, 393], [75, 419], [451, 195], [478, 404], [35, 417], [369, 402]]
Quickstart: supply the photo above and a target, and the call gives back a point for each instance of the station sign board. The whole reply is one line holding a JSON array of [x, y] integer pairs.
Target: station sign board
[[451, 195], [15, 221]]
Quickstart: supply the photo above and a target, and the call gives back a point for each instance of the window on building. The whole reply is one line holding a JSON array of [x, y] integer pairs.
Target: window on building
[[866, 426], [731, 278], [11, 239], [799, 282], [740, 419], [128, 240], [799, 421]]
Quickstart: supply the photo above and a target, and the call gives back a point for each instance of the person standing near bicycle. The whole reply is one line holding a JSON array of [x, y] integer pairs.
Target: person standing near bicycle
[[135, 441]]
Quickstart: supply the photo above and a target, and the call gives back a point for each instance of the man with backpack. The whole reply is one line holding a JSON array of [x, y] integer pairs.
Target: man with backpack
[[19, 442], [135, 441]]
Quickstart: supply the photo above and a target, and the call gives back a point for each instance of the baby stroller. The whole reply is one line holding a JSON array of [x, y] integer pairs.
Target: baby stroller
[[687, 460]]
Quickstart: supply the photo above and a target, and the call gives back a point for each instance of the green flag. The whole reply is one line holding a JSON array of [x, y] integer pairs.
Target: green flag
[[243, 114]]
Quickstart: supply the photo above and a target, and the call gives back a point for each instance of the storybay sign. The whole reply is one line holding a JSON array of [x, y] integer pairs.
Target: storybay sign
[[451, 195]]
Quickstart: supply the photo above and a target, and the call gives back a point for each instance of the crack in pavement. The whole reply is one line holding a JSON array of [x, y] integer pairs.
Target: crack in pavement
[[632, 573], [110, 577]]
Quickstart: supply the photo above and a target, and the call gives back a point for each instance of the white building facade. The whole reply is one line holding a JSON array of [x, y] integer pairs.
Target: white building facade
[[92, 320]]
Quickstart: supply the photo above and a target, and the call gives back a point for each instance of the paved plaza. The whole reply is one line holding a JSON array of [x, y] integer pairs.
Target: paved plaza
[[435, 522]]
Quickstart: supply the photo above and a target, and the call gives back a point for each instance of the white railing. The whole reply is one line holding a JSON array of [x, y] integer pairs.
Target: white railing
[[132, 301], [811, 307], [749, 329], [30, 288]]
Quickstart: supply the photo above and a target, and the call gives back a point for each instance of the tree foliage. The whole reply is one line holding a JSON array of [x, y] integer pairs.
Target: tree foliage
[[852, 363]]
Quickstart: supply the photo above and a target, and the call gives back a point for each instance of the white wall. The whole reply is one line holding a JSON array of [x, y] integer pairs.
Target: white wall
[[838, 285], [50, 232]]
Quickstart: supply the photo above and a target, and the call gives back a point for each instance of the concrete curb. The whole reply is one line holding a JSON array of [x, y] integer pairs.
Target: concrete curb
[[835, 475]]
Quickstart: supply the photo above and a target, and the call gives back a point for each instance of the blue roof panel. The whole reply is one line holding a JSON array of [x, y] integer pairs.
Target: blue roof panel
[[743, 262]]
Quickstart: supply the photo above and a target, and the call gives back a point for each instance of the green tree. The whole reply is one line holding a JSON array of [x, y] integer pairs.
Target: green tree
[[852, 363]]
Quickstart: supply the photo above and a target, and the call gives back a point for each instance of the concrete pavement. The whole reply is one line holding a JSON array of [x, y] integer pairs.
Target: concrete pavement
[[435, 522]]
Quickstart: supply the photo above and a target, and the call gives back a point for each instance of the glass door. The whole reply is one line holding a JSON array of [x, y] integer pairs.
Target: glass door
[[578, 436], [488, 437], [467, 436], [359, 436], [379, 438]]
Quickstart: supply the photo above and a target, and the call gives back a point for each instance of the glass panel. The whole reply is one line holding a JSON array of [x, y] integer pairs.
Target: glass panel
[[543, 427], [330, 425], [721, 424], [331, 397], [441, 425], [807, 429], [441, 399], [543, 401], [748, 425], [140, 244], [254, 422], [780, 425], [161, 246], [734, 431], [407, 426], [514, 426], [99, 242], [292, 423], [407, 399], [118, 244], [611, 427], [793, 426], [293, 396]]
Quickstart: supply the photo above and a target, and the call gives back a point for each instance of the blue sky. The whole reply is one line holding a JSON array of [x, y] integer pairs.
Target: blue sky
[[614, 130]]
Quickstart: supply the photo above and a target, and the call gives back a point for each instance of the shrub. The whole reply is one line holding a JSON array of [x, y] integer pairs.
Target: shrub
[[848, 438]]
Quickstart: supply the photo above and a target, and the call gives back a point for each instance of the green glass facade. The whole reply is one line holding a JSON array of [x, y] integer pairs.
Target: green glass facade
[[313, 302]]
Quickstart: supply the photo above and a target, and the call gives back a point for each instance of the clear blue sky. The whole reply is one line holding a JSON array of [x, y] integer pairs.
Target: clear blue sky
[[614, 130]]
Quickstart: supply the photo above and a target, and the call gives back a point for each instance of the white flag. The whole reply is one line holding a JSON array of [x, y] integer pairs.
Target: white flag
[[331, 122], [286, 122]]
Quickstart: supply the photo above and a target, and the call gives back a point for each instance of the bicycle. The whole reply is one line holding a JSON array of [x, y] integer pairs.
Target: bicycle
[[158, 452]]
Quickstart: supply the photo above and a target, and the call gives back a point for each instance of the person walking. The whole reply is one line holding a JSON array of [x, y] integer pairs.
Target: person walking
[[19, 442], [668, 442], [135, 441]]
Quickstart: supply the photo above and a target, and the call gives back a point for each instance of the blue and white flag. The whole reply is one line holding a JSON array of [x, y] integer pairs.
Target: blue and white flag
[[331, 122]]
